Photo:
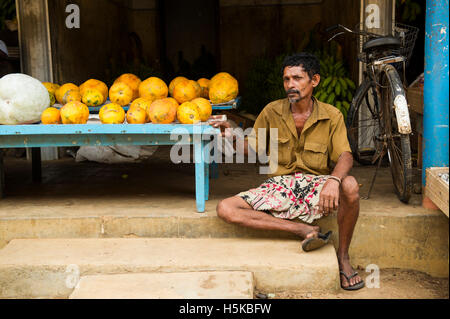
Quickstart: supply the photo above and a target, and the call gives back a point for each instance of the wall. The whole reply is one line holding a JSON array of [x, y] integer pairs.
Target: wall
[[189, 26], [248, 31], [346, 13], [103, 41], [241, 31], [33, 38], [143, 19]]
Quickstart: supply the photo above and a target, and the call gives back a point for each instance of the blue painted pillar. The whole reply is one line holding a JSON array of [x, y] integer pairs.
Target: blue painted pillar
[[436, 107]]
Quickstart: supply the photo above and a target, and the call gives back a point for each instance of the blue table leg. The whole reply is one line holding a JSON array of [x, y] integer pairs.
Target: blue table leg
[[199, 174], [214, 167], [2, 176], [206, 180], [214, 170]]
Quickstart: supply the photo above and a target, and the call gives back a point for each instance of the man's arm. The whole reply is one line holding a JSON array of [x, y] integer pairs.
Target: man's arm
[[340, 153], [343, 165], [242, 143], [329, 196], [239, 147], [226, 132]]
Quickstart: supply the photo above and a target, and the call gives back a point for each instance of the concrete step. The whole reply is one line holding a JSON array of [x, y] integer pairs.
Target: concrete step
[[413, 238], [157, 199], [51, 268], [186, 285]]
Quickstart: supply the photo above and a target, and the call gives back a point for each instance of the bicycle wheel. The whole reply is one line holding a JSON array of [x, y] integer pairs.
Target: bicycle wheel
[[398, 145], [364, 124]]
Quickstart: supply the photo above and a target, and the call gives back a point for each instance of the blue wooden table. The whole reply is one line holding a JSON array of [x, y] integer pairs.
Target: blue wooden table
[[36, 136]]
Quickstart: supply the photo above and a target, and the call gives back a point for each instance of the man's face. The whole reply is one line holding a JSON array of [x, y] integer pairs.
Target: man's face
[[297, 83]]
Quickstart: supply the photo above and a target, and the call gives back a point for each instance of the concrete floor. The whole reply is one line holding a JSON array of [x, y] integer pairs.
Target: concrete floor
[[157, 186], [156, 198]]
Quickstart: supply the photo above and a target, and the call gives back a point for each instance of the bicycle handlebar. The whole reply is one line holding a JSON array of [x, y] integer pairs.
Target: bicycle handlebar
[[331, 28], [345, 29]]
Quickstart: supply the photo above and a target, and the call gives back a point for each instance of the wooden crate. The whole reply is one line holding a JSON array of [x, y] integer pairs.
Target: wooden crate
[[415, 99], [414, 96], [436, 189]]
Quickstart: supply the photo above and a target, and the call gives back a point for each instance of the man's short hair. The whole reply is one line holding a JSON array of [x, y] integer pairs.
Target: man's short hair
[[308, 61]]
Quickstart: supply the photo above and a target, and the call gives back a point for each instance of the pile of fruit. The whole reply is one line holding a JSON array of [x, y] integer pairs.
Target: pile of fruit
[[149, 102], [335, 87]]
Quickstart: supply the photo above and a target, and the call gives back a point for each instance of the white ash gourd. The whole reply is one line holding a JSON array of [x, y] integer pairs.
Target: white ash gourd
[[22, 99]]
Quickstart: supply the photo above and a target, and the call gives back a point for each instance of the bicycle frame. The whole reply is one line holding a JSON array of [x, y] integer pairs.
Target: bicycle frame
[[399, 96], [378, 122], [384, 65]]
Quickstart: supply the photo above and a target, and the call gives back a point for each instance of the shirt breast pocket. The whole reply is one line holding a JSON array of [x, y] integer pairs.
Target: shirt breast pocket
[[284, 150], [315, 155]]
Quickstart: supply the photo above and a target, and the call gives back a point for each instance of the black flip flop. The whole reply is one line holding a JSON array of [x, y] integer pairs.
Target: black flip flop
[[357, 286], [316, 242]]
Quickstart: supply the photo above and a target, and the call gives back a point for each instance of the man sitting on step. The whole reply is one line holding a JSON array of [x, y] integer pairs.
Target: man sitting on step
[[311, 134]]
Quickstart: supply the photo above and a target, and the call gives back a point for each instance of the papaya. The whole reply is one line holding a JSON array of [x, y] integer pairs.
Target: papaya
[[174, 82], [162, 111], [136, 115], [74, 112], [184, 91], [132, 81], [223, 89], [93, 97], [204, 84], [59, 93], [95, 84], [112, 113], [120, 93], [51, 115], [188, 113], [153, 88], [204, 107]]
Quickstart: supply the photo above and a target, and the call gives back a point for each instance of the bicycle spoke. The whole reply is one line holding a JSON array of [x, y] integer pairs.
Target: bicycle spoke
[[372, 123], [397, 157], [365, 126], [397, 144]]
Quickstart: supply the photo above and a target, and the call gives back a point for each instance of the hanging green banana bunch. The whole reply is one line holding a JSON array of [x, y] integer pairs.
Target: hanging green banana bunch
[[336, 88]]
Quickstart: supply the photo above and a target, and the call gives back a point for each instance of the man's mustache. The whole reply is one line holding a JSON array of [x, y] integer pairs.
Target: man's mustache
[[292, 91]]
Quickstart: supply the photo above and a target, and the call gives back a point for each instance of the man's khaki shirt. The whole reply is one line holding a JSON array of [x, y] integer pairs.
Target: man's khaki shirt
[[322, 140]]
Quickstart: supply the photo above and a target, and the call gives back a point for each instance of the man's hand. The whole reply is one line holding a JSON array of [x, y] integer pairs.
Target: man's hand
[[216, 121], [329, 197]]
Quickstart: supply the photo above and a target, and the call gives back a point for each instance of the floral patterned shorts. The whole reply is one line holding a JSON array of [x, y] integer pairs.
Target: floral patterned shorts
[[288, 196]]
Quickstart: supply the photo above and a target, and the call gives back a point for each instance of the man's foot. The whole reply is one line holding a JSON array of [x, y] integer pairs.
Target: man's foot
[[313, 239], [313, 243], [350, 280], [307, 231]]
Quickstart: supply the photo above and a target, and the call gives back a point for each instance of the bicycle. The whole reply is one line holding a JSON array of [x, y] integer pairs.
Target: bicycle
[[378, 120]]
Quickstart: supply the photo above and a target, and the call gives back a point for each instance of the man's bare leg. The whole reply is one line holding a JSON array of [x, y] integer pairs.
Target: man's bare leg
[[236, 210], [347, 216]]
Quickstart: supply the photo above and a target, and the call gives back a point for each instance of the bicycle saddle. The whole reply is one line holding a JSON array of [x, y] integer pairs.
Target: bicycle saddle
[[381, 42]]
